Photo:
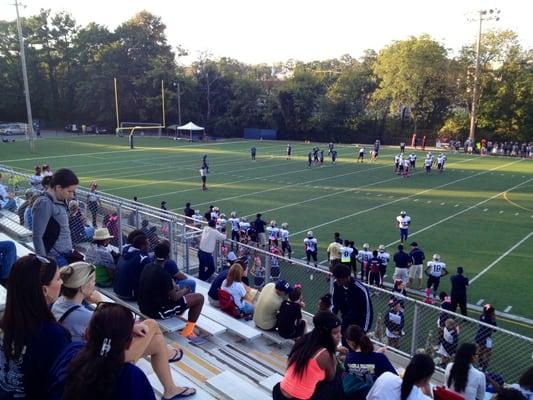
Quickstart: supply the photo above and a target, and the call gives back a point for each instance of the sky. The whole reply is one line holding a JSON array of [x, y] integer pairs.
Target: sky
[[254, 31]]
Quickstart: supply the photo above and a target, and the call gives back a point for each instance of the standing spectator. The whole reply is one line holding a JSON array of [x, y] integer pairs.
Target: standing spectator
[[8, 256], [310, 246], [93, 201], [208, 242], [51, 233], [129, 268], [28, 212], [188, 212], [403, 262], [415, 384], [311, 372], [269, 303], [47, 171], [394, 321], [399, 288], [448, 341], [102, 257], [352, 299], [334, 253], [31, 338], [461, 376], [484, 337], [290, 324], [458, 293], [416, 269], [403, 221], [362, 360], [259, 226]]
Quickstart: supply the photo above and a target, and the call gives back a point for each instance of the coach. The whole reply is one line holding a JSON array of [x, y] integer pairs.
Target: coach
[[403, 262]]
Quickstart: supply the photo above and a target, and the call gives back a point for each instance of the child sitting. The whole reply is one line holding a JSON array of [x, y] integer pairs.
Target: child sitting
[[259, 272], [290, 324], [274, 263]]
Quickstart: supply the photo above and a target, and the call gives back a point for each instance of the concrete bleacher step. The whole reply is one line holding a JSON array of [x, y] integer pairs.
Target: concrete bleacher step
[[271, 381], [15, 229], [11, 215], [21, 249], [234, 387]]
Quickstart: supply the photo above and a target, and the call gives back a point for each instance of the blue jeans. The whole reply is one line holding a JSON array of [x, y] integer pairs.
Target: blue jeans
[[187, 282], [8, 256], [207, 265], [10, 205], [247, 308]]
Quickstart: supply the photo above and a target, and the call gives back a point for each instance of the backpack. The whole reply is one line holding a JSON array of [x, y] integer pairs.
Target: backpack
[[227, 304]]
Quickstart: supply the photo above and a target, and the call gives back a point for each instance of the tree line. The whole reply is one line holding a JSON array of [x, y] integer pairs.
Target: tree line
[[412, 85]]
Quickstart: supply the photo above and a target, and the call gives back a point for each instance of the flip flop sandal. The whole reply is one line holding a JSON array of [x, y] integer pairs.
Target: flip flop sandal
[[183, 394], [177, 357]]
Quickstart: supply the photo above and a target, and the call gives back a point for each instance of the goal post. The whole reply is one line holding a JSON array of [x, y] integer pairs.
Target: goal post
[[136, 129]]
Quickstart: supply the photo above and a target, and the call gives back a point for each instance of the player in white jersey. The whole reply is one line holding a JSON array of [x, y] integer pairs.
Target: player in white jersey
[[441, 159], [406, 166], [361, 154], [428, 162], [385, 258], [214, 213], [284, 236], [364, 257], [273, 233], [235, 228], [197, 218], [412, 159], [403, 221], [310, 246], [346, 255], [397, 162], [435, 270], [221, 223], [244, 226]]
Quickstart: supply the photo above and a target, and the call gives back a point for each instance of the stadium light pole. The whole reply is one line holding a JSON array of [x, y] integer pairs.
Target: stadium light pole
[[484, 15], [31, 138]]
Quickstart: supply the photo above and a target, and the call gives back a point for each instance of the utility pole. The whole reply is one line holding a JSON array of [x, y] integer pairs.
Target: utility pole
[[179, 104], [487, 15], [31, 137]]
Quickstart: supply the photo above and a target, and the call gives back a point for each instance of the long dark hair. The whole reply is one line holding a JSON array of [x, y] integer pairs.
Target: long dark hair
[[460, 367], [26, 308], [419, 369], [320, 337], [93, 372], [355, 334]]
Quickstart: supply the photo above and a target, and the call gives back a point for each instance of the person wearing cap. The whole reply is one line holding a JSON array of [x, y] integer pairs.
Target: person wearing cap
[[311, 245], [417, 266], [269, 303], [458, 293], [403, 221], [403, 262], [102, 256], [208, 242]]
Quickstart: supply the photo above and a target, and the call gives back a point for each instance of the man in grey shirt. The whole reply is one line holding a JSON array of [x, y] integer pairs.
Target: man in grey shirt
[[51, 232]]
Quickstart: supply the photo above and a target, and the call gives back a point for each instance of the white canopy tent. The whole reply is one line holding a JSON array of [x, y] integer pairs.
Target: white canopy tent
[[191, 126]]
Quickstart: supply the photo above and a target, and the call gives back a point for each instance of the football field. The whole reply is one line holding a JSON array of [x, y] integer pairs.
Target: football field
[[477, 214]]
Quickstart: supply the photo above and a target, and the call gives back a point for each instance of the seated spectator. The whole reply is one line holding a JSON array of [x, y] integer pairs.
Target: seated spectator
[[290, 324], [324, 303], [9, 203], [28, 212], [8, 256], [212, 295], [234, 286], [525, 384], [179, 277], [129, 268], [129, 240], [104, 369], [72, 309], [269, 303], [311, 372], [102, 257], [37, 179], [31, 338], [414, 385], [22, 208], [79, 230], [362, 360], [509, 394], [159, 297], [461, 376]]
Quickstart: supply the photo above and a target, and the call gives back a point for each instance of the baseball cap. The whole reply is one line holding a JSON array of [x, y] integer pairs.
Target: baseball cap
[[283, 286], [232, 256]]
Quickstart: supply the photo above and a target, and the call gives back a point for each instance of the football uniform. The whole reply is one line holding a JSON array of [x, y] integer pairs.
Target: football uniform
[[440, 162], [311, 248], [436, 270], [403, 225], [364, 257], [273, 233], [428, 162], [385, 258], [406, 165], [396, 162], [235, 222], [374, 277], [412, 159], [285, 245]]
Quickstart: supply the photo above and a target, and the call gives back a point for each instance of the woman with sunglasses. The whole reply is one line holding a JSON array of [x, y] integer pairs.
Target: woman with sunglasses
[[30, 337], [73, 310]]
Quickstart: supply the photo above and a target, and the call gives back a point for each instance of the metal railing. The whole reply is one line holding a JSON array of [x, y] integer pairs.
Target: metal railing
[[509, 356]]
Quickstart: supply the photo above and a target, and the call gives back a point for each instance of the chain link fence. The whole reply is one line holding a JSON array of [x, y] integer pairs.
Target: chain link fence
[[426, 327]]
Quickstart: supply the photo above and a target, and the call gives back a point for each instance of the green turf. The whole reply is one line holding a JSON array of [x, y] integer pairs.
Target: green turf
[[363, 200]]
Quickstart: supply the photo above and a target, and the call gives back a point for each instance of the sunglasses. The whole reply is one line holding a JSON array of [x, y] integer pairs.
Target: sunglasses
[[42, 260]]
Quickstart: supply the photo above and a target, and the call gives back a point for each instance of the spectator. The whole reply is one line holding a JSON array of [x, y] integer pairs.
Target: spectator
[[102, 257], [461, 376], [8, 256], [3, 192], [150, 233], [188, 212], [448, 341], [403, 262], [159, 297], [362, 360], [9, 203], [399, 288], [23, 206], [417, 267], [111, 222], [324, 303], [93, 201], [414, 385], [311, 372], [51, 233], [208, 242], [458, 294], [394, 321], [72, 309], [446, 304], [212, 295], [334, 252], [525, 384], [269, 303], [510, 394], [79, 231], [28, 212], [484, 337], [31, 338], [234, 286], [179, 277], [207, 214], [290, 324], [352, 299], [129, 268], [259, 226], [47, 171], [36, 180], [129, 240]]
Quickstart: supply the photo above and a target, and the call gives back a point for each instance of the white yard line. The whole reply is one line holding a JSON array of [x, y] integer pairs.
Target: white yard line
[[400, 199], [492, 264]]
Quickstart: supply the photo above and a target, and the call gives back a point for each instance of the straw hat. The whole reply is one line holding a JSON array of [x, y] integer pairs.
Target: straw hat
[[102, 234]]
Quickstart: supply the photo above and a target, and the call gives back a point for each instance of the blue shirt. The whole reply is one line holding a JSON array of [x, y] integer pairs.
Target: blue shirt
[[367, 366], [128, 272], [217, 284]]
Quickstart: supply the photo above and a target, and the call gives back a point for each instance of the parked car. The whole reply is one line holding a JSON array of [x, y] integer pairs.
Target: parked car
[[13, 129]]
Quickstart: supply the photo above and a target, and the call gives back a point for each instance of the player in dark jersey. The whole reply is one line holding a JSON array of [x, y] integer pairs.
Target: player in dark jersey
[[330, 148], [321, 158], [374, 277], [333, 156], [205, 165], [253, 152], [289, 151]]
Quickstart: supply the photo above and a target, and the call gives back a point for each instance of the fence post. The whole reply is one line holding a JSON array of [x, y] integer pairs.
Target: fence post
[[185, 239], [119, 209], [331, 284], [414, 332], [171, 239]]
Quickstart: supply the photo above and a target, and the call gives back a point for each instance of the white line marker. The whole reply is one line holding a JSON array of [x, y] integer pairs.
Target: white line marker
[[501, 212], [457, 205], [480, 302], [516, 214], [501, 257], [415, 200], [485, 209], [507, 309], [429, 201], [442, 204]]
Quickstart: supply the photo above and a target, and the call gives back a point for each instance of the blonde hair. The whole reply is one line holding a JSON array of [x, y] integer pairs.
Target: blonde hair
[[234, 274]]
